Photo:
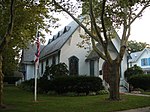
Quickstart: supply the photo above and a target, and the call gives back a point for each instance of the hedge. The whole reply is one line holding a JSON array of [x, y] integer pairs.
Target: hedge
[[81, 84], [140, 81], [60, 85], [28, 85], [11, 79]]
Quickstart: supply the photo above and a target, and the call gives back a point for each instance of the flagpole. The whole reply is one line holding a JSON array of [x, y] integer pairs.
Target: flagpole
[[36, 68], [35, 85]]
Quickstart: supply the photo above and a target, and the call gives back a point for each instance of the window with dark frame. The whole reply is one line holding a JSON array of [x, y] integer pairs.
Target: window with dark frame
[[42, 66], [92, 67], [54, 60], [73, 65], [46, 62]]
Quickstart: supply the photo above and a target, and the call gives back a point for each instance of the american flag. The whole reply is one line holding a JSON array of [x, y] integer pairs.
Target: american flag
[[37, 54]]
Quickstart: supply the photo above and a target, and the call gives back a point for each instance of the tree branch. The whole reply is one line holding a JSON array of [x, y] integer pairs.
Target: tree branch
[[104, 33], [75, 19], [129, 26], [140, 12], [102, 20], [94, 23], [100, 54]]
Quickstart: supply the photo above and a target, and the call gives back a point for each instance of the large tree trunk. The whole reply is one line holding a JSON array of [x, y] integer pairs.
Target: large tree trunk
[[1, 82], [114, 81]]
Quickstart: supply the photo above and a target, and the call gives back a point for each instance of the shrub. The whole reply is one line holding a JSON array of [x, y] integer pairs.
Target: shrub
[[56, 70], [102, 92], [81, 84], [140, 81], [67, 84], [44, 85], [28, 85], [135, 70], [11, 79], [138, 89]]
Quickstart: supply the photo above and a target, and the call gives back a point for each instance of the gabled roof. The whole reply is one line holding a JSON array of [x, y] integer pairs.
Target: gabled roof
[[28, 54], [94, 55], [57, 42], [136, 55]]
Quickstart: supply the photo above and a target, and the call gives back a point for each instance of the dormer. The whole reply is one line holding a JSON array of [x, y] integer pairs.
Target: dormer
[[66, 29], [49, 41]]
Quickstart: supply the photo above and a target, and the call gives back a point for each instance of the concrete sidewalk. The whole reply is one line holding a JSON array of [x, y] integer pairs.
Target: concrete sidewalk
[[137, 94], [145, 109]]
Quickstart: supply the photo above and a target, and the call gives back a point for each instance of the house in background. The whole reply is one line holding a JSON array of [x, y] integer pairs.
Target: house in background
[[142, 59], [62, 48]]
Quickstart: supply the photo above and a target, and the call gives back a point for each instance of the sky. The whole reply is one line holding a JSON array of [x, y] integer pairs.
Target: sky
[[140, 29]]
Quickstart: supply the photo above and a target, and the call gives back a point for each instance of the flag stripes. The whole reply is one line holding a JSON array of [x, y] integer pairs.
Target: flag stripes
[[37, 54]]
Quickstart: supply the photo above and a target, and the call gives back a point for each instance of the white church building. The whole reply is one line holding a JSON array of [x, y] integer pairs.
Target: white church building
[[62, 48]]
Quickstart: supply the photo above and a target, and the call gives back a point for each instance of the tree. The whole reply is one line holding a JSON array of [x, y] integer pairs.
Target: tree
[[103, 17], [19, 20], [136, 46]]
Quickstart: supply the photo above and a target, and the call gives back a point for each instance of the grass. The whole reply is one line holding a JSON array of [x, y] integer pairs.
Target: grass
[[21, 101], [146, 93]]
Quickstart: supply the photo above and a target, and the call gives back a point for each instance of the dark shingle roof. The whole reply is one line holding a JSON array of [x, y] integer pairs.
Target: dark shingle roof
[[28, 54], [59, 40], [94, 55]]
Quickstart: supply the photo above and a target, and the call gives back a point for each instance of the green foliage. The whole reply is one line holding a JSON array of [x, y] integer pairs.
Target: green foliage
[[46, 73], [135, 70], [65, 84], [11, 79], [10, 61], [81, 84], [140, 81], [27, 15], [136, 46], [102, 92], [28, 85], [59, 70], [56, 70], [44, 85]]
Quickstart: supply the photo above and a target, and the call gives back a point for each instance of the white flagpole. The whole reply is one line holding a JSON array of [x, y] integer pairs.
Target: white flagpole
[[35, 85], [35, 76]]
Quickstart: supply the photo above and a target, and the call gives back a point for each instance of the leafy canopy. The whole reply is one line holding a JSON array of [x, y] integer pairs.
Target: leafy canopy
[[135, 46], [27, 15]]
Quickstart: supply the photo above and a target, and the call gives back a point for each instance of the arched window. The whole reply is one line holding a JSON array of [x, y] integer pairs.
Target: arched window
[[73, 65]]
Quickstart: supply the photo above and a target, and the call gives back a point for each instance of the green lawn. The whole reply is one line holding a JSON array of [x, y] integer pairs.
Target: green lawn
[[21, 101], [146, 93]]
